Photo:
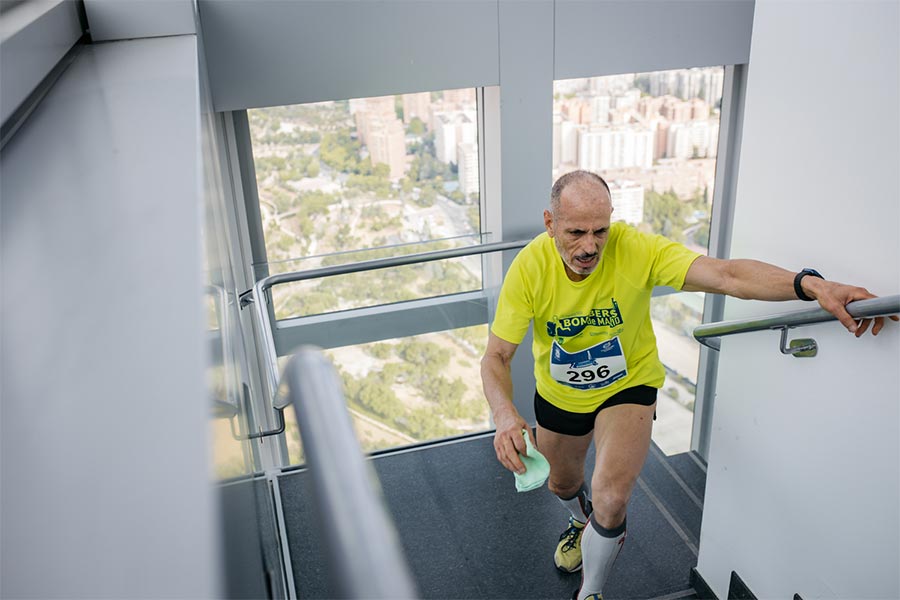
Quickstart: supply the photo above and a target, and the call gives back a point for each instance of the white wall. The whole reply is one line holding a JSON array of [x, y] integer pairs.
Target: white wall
[[104, 455], [34, 37], [802, 492], [274, 52]]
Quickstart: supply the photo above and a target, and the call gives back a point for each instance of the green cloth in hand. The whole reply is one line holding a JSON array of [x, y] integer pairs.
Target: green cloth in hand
[[537, 469]]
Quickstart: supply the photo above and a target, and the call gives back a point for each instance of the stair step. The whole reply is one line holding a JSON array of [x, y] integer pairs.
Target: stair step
[[692, 469]]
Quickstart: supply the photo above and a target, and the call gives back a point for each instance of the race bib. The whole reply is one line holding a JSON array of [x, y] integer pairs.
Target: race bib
[[591, 368]]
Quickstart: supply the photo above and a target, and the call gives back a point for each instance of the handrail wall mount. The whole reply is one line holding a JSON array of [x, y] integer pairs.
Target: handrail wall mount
[[709, 333]]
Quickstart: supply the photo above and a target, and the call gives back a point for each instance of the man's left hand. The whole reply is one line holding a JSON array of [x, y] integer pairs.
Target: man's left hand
[[834, 297]]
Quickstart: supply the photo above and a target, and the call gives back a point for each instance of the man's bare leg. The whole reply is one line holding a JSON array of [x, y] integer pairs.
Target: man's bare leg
[[566, 454], [622, 440]]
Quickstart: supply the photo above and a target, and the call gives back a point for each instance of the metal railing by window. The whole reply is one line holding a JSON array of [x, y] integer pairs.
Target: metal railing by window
[[709, 333], [364, 552], [227, 406], [260, 297]]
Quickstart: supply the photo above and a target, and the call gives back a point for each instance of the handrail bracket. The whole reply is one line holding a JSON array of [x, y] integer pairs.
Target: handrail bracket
[[247, 298], [799, 348]]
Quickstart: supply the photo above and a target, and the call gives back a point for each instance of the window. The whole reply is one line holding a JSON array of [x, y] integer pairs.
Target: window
[[408, 390], [654, 138], [228, 453], [351, 180]]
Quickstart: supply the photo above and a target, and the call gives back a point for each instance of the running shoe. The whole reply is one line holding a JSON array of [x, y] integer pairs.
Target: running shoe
[[568, 552]]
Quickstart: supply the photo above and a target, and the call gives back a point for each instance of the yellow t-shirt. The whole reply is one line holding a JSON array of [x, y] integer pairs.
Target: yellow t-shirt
[[592, 338]]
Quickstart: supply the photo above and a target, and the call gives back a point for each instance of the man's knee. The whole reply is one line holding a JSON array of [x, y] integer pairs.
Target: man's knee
[[610, 500], [564, 489]]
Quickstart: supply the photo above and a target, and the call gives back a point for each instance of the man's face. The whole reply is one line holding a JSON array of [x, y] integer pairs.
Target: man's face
[[581, 227]]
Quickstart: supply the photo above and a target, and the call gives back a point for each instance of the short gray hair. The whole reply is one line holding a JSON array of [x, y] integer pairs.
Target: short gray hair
[[572, 177]]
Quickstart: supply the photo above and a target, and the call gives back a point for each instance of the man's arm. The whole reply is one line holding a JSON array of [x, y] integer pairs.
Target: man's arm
[[755, 280], [497, 381]]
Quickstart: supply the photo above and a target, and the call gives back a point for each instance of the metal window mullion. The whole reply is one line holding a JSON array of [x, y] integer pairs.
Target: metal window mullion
[[491, 203], [246, 171], [236, 240], [271, 452], [233, 238], [482, 186], [721, 224]]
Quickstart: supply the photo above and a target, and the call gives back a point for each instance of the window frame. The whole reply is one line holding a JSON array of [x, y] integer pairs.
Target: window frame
[[329, 330], [721, 224], [474, 308]]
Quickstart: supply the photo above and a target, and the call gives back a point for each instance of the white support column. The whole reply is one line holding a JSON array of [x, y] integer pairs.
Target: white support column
[[526, 102]]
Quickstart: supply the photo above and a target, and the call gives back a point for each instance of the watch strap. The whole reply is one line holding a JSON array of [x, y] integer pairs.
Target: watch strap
[[798, 289]]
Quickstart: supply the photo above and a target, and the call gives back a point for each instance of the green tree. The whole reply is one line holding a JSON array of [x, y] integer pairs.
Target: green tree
[[316, 202], [449, 278], [380, 186], [423, 353], [340, 152], [666, 214], [381, 351], [374, 394], [449, 396], [310, 303], [416, 127], [427, 197], [701, 236], [473, 215]]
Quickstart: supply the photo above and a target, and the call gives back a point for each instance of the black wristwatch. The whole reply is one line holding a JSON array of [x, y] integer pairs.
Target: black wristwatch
[[798, 277]]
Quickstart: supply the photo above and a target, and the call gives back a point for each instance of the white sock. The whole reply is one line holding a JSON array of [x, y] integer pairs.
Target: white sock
[[579, 504], [599, 549]]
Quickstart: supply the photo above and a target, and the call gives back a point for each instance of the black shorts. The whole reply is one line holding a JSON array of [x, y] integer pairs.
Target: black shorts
[[562, 421]]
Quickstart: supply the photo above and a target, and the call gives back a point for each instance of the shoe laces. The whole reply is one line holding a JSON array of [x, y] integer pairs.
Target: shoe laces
[[570, 535]]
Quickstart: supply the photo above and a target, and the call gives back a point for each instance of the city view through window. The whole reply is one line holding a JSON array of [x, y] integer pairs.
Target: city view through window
[[352, 180], [653, 137]]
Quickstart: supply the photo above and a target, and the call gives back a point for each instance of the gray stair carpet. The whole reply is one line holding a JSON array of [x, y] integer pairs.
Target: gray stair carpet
[[467, 533]]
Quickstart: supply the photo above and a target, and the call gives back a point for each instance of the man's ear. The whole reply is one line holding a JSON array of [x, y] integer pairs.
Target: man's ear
[[548, 222]]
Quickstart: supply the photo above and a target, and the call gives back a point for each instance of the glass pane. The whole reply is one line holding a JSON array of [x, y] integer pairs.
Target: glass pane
[[383, 173], [408, 390], [229, 459], [381, 286], [674, 318], [654, 138], [228, 453]]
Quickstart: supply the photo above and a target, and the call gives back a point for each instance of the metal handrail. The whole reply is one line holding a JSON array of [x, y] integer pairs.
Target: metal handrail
[[361, 542], [860, 309], [227, 409], [261, 287]]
